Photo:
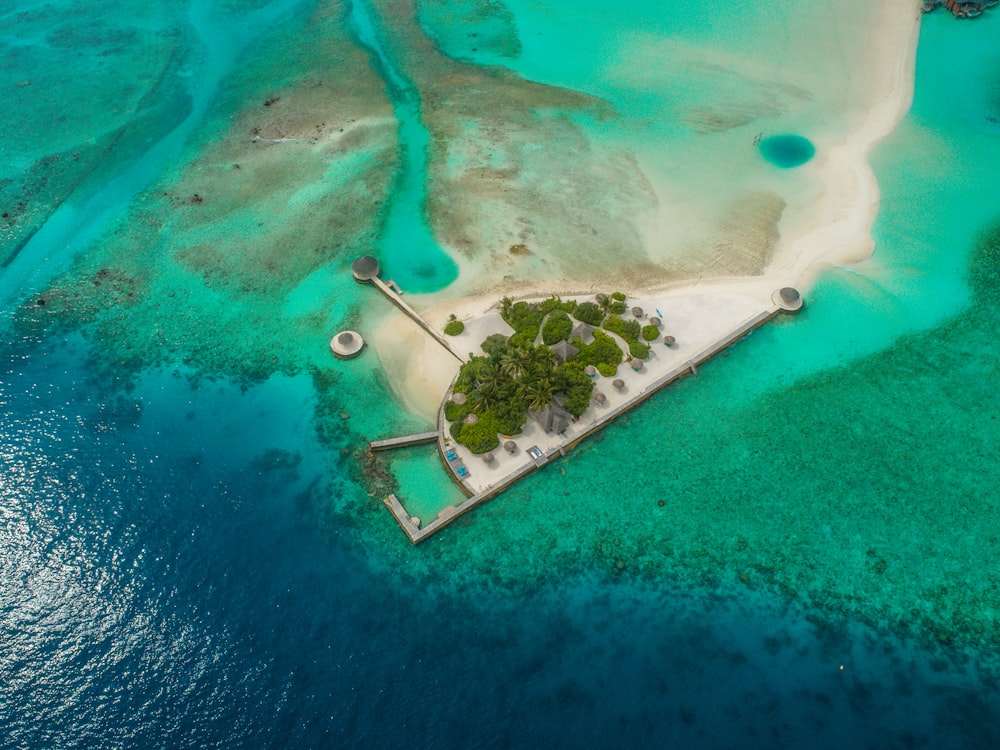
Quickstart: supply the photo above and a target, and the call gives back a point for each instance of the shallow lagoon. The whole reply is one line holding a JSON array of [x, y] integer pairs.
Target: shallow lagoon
[[193, 551]]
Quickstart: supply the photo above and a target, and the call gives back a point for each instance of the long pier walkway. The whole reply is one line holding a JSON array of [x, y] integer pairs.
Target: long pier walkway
[[399, 302], [366, 270], [404, 441]]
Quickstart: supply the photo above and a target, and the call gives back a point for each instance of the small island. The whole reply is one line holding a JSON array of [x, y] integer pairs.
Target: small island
[[542, 375]]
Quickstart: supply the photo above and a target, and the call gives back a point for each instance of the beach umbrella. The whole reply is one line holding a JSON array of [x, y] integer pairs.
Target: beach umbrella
[[510, 446], [636, 364], [590, 371], [600, 398], [601, 297], [459, 398], [669, 340], [654, 321], [470, 419], [619, 384], [489, 458], [637, 312]]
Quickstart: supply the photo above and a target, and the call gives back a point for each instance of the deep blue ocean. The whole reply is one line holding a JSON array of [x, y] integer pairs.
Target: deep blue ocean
[[182, 558]]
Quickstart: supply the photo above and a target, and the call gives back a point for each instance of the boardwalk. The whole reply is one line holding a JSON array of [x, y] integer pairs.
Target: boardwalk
[[405, 441], [399, 302]]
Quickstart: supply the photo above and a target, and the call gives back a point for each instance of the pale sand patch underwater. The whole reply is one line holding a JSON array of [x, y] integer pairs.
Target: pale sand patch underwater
[[609, 183]]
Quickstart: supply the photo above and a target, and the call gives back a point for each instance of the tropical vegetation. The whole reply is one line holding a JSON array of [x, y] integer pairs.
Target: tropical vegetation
[[515, 374]]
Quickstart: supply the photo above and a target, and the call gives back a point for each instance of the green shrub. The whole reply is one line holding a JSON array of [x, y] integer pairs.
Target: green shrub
[[618, 296], [589, 312], [602, 350], [481, 436], [455, 412], [525, 337], [638, 349], [454, 327], [608, 371], [495, 344], [455, 429], [509, 415], [617, 308], [627, 329], [650, 333], [558, 326], [577, 387]]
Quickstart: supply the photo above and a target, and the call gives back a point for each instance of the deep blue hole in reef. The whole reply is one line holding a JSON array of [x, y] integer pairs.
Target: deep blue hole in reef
[[787, 151]]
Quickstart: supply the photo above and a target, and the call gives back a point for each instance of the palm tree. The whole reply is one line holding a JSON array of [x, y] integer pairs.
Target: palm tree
[[513, 363], [486, 395], [506, 308], [537, 394]]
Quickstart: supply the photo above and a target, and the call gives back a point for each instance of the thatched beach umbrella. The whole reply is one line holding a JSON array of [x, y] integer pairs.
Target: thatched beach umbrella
[[636, 364], [637, 313], [489, 458], [470, 419], [654, 321], [600, 398], [510, 446], [459, 398], [590, 371], [619, 384], [601, 298], [669, 340]]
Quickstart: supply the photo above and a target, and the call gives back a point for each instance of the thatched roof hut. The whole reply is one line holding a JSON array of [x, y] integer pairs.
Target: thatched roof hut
[[510, 446], [365, 269], [788, 299], [459, 398], [669, 340], [470, 419], [636, 364], [489, 458], [637, 313], [582, 331], [619, 384], [600, 398], [347, 344], [564, 351], [655, 321]]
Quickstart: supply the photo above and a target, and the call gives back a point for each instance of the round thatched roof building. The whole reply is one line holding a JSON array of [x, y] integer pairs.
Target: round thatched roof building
[[788, 299], [459, 398], [365, 269], [347, 344]]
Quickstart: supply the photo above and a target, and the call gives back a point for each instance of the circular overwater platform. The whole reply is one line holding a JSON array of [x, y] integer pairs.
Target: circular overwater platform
[[787, 299], [347, 345]]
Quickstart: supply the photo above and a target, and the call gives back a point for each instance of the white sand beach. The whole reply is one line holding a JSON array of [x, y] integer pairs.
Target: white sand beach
[[842, 200]]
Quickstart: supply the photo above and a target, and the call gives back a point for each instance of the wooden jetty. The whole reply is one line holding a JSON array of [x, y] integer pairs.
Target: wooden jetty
[[421, 438]]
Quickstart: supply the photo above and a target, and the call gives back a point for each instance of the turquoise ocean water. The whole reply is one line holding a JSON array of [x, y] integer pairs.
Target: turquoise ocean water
[[194, 548]]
